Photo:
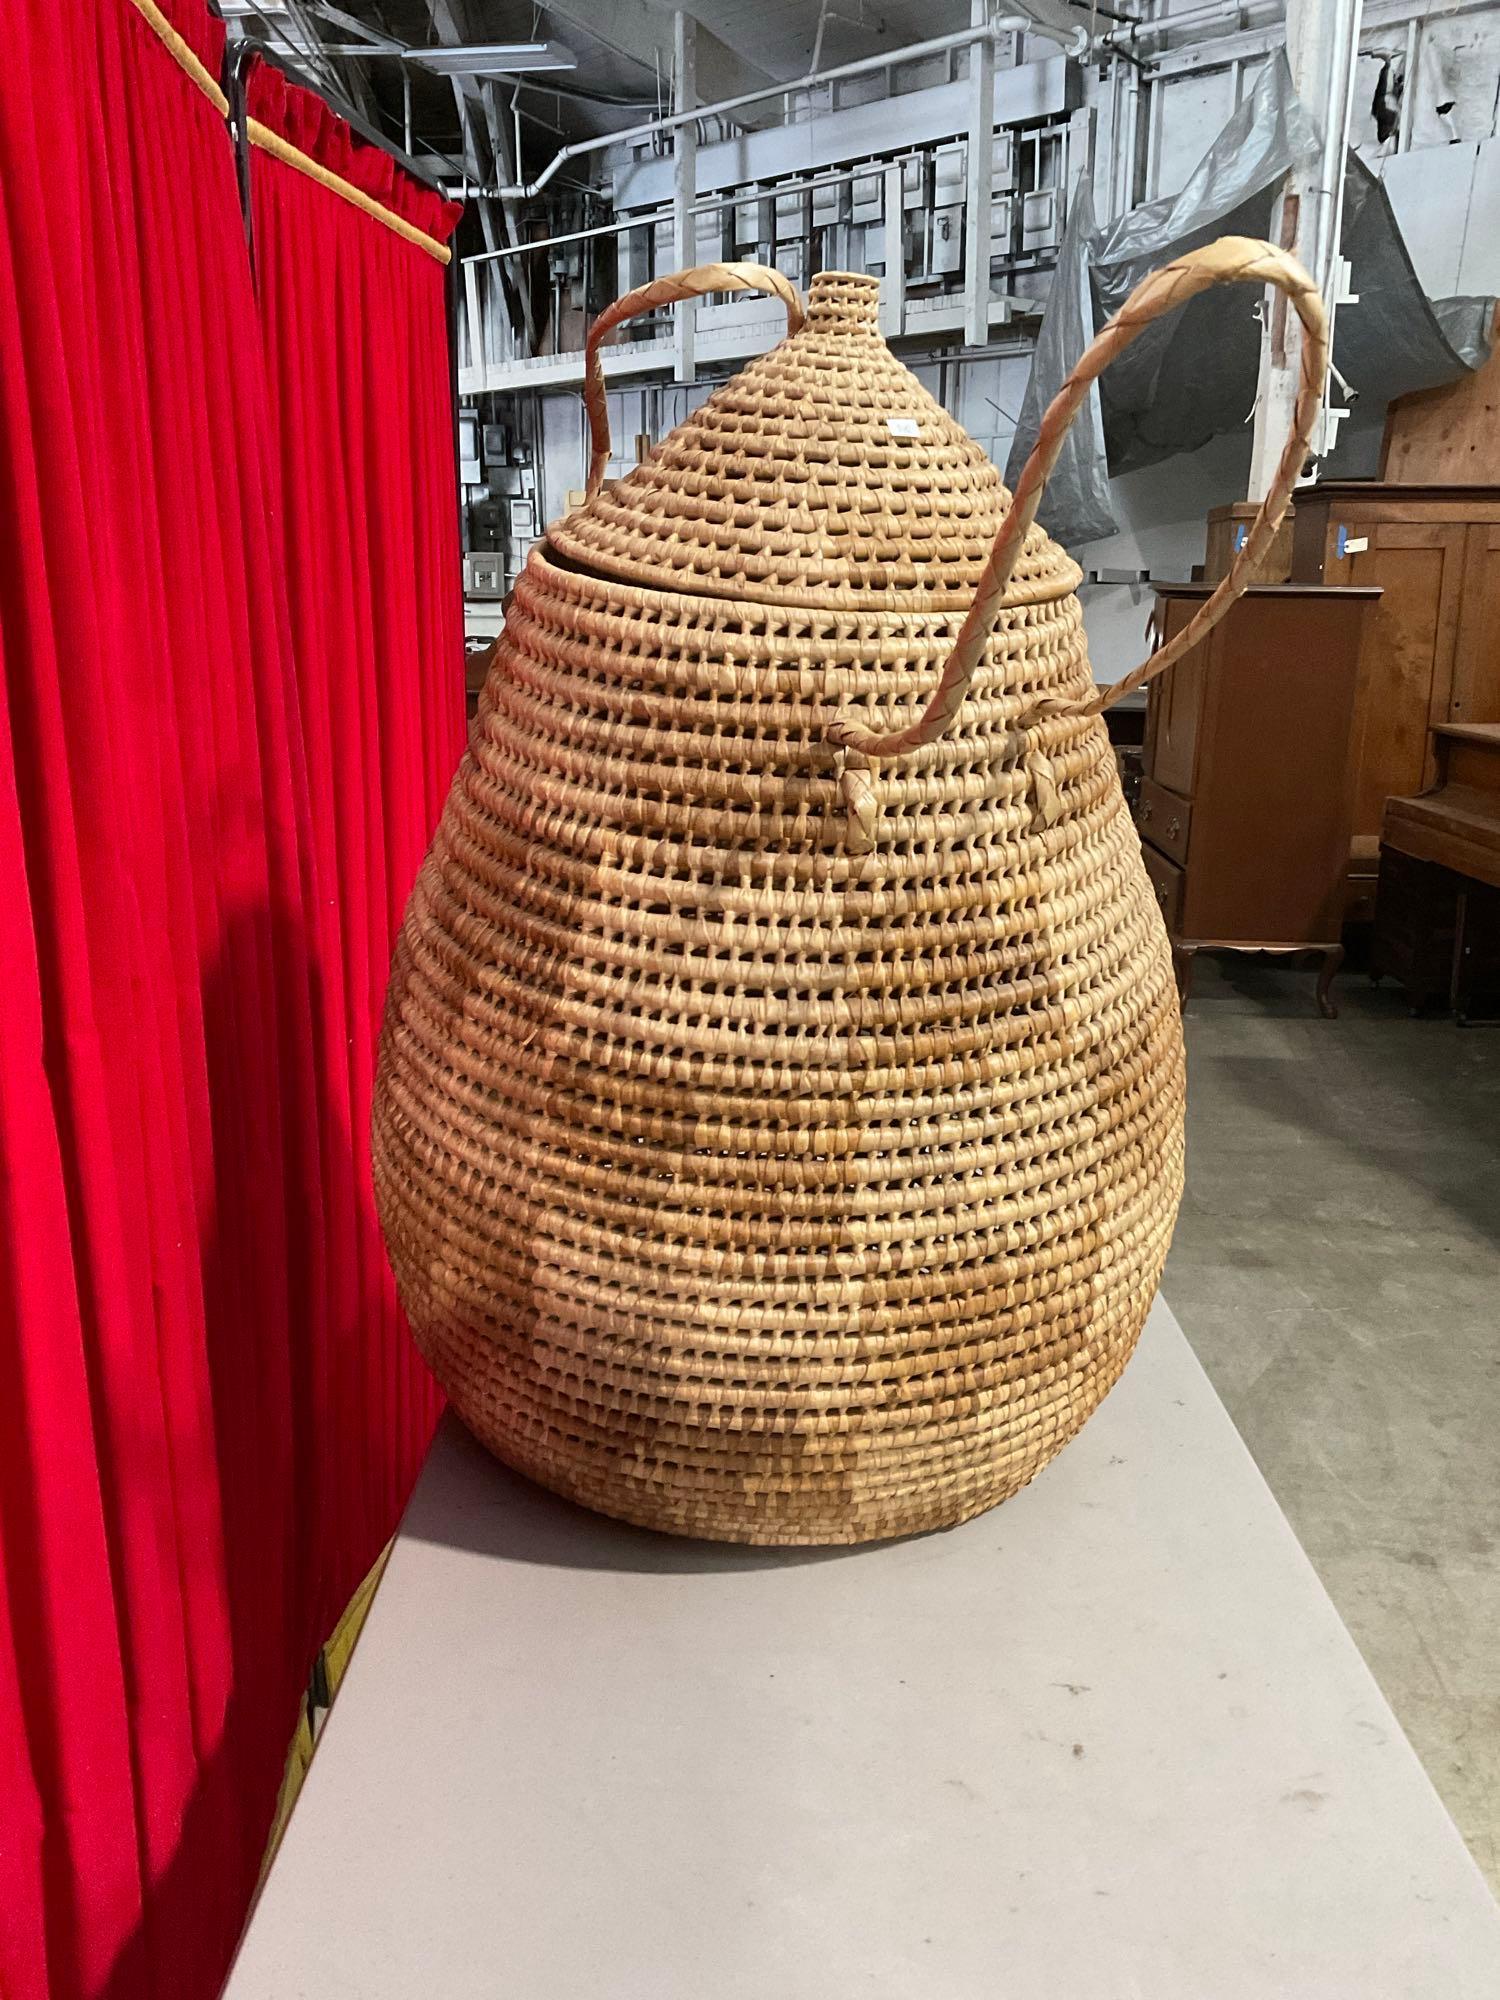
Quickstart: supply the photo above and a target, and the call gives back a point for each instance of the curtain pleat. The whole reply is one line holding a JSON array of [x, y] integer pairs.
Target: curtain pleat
[[230, 684], [355, 328]]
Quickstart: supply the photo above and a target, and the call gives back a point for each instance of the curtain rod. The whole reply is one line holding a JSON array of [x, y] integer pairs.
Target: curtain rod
[[336, 101], [237, 124]]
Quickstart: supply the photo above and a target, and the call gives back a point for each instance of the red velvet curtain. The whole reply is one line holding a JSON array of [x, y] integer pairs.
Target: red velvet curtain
[[356, 338], [207, 1415]]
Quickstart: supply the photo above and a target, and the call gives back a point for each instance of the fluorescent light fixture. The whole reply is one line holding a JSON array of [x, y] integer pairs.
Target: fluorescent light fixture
[[494, 58]]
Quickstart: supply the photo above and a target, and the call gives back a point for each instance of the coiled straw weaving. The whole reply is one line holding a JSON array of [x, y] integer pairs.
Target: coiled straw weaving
[[779, 1123]]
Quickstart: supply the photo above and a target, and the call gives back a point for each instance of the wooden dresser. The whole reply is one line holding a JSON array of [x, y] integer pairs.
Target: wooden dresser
[[1432, 651], [1437, 913], [1244, 802]]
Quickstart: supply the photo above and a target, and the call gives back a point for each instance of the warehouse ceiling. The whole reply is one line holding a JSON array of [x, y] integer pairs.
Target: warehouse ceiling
[[480, 135], [623, 60]]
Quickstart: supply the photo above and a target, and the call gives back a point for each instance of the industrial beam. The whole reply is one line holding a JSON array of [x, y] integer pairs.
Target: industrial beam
[[645, 33], [508, 168], [1323, 50], [979, 193], [893, 285], [685, 179], [478, 110], [654, 128]]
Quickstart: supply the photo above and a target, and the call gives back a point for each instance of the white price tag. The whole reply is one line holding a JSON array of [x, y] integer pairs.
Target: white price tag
[[1356, 545], [903, 427]]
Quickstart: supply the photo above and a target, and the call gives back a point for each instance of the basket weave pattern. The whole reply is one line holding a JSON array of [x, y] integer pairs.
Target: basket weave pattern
[[789, 485], [741, 1179]]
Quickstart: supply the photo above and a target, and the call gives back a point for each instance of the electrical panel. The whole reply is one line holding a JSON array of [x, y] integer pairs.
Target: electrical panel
[[1039, 220], [469, 469], [949, 168], [867, 198], [834, 216], [500, 517], [947, 240], [489, 524], [484, 574]]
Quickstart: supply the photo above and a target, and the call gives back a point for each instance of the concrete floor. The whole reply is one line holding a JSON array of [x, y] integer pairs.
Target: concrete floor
[[1337, 1268]]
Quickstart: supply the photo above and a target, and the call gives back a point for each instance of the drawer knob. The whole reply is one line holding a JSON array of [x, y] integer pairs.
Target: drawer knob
[[1145, 809], [1161, 894], [1174, 827]]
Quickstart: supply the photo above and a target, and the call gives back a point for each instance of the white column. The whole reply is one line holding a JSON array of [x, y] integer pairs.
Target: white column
[[685, 185], [979, 192], [478, 359], [893, 285], [1322, 48]]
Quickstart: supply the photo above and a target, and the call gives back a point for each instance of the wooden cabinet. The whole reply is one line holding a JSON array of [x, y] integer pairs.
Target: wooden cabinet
[[1476, 659], [1228, 527], [1432, 651], [1447, 436], [1437, 913], [1164, 819], [1244, 802]]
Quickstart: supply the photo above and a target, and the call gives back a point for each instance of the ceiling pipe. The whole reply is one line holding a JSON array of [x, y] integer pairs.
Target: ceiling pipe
[[1074, 40], [1232, 11]]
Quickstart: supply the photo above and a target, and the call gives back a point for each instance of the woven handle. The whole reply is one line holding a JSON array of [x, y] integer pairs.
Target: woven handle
[[646, 298], [1232, 260]]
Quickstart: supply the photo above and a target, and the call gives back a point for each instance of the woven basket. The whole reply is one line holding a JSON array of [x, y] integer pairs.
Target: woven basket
[[778, 1130]]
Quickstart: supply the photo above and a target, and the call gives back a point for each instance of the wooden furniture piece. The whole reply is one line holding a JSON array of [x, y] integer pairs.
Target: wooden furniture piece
[[1432, 651], [1243, 810], [1112, 1741], [1228, 527], [1448, 434], [1437, 912], [1126, 723], [1416, 927]]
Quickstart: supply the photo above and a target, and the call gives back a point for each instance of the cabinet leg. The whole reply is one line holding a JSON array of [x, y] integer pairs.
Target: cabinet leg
[[1458, 997], [1182, 968], [1333, 958]]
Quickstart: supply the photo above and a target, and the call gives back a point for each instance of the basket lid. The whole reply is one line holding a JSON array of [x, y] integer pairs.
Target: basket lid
[[822, 474]]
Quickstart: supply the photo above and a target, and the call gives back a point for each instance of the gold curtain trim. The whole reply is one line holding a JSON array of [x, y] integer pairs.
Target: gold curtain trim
[[182, 53], [272, 142], [292, 156]]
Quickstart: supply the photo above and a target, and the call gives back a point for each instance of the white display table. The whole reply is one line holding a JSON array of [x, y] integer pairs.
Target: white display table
[[1109, 1742]]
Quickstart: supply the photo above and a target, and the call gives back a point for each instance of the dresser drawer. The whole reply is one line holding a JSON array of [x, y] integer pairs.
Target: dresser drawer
[[1166, 885], [1163, 819]]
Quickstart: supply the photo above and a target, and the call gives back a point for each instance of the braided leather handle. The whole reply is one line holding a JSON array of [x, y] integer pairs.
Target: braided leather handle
[[646, 298], [1230, 261]]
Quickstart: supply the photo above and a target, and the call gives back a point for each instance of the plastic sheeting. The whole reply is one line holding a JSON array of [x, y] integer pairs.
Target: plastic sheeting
[[1192, 376], [1080, 482], [1396, 340]]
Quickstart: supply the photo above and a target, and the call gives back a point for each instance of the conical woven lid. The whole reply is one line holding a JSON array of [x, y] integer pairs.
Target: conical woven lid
[[823, 474]]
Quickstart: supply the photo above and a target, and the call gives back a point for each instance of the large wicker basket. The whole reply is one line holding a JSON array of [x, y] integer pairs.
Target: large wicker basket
[[778, 1131]]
